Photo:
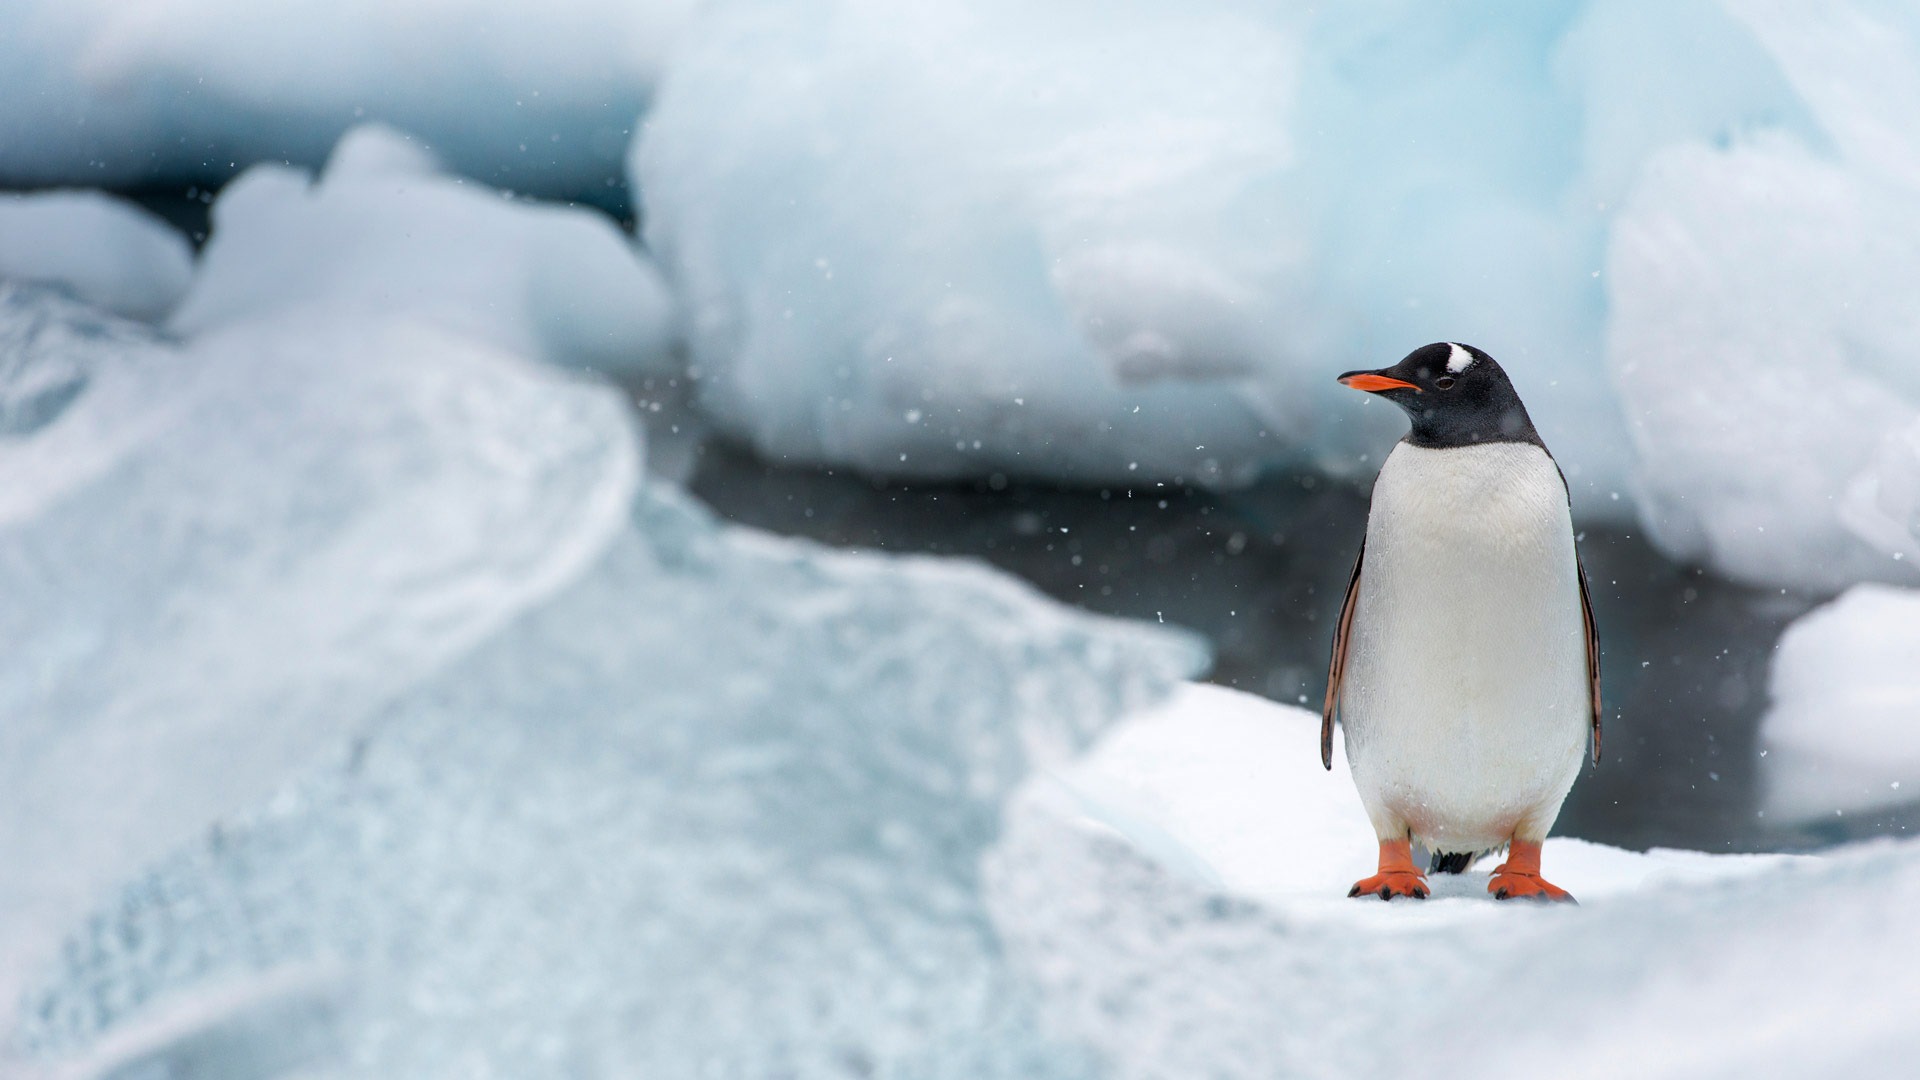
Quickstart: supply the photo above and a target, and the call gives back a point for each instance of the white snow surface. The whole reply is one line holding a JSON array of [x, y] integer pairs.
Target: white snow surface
[[1843, 731], [1179, 898], [533, 97], [105, 251]]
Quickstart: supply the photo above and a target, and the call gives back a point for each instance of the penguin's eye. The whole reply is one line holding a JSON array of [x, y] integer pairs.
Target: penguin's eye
[[1444, 382]]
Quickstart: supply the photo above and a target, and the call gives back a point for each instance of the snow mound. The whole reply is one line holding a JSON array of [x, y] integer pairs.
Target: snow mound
[[1841, 733], [1761, 349], [538, 98], [223, 551], [1179, 898], [383, 231], [105, 251], [714, 809]]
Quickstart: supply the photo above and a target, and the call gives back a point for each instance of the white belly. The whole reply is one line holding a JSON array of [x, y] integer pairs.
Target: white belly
[[1465, 698]]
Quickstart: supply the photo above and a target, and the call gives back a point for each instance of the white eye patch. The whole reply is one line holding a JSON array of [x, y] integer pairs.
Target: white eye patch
[[1459, 359]]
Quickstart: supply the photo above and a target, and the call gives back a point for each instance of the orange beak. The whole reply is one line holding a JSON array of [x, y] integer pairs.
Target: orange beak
[[1373, 384]]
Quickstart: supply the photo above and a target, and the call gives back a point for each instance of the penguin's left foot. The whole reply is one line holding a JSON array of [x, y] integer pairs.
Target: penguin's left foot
[[1519, 877], [1397, 877]]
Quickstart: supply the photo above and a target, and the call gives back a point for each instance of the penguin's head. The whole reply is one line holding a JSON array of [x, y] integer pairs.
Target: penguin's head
[[1455, 395]]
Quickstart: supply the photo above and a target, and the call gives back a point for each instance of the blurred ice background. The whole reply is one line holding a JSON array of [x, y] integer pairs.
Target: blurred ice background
[[403, 673]]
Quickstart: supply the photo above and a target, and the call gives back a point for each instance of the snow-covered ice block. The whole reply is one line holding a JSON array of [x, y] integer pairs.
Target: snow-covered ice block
[[220, 554], [1179, 897], [1113, 243], [530, 97], [993, 238], [1758, 333], [715, 809], [1843, 732], [105, 251], [384, 232]]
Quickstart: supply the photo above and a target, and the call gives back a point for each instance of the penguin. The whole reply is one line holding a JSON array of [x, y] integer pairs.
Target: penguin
[[1466, 667]]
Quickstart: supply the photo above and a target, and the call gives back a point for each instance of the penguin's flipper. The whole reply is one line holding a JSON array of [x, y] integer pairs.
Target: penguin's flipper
[[1337, 667], [1593, 656]]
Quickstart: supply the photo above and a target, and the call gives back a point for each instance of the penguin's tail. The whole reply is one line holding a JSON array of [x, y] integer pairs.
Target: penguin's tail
[[1452, 862]]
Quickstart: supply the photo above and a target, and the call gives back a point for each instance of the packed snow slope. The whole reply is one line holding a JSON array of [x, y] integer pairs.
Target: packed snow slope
[[225, 546], [1179, 897]]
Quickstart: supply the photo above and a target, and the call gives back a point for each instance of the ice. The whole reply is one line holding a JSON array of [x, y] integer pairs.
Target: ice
[[105, 251], [225, 548], [538, 98], [715, 809], [986, 239], [1139, 243], [1759, 342], [1179, 898], [384, 231], [1841, 736]]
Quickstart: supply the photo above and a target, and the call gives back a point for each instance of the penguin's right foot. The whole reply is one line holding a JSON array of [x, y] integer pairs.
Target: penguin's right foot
[[1397, 877]]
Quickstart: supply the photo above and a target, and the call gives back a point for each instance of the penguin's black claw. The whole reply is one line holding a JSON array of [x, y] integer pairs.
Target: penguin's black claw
[[1499, 894], [1386, 892], [1353, 892]]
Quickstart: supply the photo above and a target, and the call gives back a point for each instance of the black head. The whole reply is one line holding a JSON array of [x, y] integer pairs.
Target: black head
[[1454, 394]]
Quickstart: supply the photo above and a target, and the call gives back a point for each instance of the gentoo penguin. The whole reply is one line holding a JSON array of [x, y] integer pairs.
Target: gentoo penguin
[[1466, 670]]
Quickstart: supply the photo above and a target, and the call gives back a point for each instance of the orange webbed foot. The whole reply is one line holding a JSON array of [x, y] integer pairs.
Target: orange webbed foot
[[1509, 885], [1390, 884], [1519, 877], [1397, 877]]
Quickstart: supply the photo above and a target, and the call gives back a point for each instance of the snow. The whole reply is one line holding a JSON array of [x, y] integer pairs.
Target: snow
[[1179, 898], [1840, 734], [539, 98], [105, 251], [714, 808], [384, 230], [1758, 340]]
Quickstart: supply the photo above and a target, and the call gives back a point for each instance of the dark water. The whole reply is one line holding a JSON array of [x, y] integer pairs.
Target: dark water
[[1261, 573]]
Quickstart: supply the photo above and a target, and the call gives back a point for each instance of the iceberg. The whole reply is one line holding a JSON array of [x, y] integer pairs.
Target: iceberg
[[384, 232], [1137, 246], [534, 98], [106, 252], [715, 808], [1839, 735], [226, 545], [1760, 344]]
